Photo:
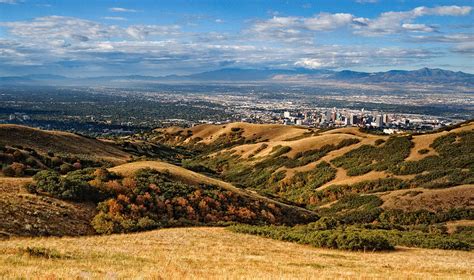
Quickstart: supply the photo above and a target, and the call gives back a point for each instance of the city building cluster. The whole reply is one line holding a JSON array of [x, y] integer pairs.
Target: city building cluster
[[387, 123]]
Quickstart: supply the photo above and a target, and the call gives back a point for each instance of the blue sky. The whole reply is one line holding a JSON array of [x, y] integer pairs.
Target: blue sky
[[91, 38]]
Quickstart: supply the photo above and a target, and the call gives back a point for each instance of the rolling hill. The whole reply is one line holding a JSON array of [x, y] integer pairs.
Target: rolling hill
[[340, 188], [308, 166], [190, 177], [60, 142]]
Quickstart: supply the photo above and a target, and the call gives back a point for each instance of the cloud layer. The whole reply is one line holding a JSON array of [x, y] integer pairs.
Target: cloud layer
[[86, 47]]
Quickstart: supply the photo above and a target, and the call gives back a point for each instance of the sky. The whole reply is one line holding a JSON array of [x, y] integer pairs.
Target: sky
[[112, 37]]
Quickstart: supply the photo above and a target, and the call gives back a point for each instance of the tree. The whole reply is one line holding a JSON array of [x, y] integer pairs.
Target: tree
[[65, 168]]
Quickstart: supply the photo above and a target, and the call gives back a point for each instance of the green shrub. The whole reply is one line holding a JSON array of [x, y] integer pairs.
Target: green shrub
[[366, 158], [354, 237], [423, 151], [151, 199], [74, 186], [335, 239]]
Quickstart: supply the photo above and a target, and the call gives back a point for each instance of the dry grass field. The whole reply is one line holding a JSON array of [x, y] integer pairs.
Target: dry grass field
[[59, 142], [209, 132], [215, 253]]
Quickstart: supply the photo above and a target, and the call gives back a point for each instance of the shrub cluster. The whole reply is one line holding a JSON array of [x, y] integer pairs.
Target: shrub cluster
[[347, 239], [75, 186], [261, 175], [367, 158], [18, 161], [302, 187], [425, 217], [354, 209], [335, 192], [329, 234], [453, 164], [151, 199]]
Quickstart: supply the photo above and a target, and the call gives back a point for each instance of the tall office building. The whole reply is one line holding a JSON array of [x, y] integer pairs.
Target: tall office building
[[378, 121]]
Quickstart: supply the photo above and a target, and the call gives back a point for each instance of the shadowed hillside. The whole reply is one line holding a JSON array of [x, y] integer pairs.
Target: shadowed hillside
[[25, 214]]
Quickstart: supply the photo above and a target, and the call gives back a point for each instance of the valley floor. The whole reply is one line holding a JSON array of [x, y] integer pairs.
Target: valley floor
[[212, 253]]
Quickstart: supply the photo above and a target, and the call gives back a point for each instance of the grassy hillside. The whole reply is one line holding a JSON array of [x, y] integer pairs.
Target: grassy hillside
[[25, 214], [214, 253], [207, 134], [412, 186], [190, 177], [293, 168], [347, 188], [59, 143]]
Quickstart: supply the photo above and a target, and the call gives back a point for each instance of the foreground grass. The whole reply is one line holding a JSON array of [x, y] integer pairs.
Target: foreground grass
[[211, 253]]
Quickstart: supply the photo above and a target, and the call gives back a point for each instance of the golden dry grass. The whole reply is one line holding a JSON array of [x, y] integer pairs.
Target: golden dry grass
[[215, 253], [59, 142], [421, 142], [300, 145], [430, 199], [365, 139], [183, 174], [424, 141], [343, 179], [210, 132]]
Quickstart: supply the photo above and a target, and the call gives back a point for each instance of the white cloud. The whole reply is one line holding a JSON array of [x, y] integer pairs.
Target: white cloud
[[418, 27], [309, 63], [122, 10], [325, 21], [11, 2], [292, 28], [397, 22], [115, 18], [75, 29], [446, 38], [465, 48], [442, 11], [57, 41]]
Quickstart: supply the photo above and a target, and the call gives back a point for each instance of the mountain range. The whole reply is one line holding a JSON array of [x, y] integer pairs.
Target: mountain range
[[423, 75]]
